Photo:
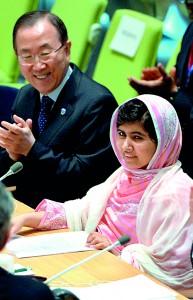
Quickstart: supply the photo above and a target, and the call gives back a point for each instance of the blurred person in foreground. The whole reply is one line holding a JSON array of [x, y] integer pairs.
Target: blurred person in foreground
[[177, 87], [147, 198], [73, 151], [16, 286]]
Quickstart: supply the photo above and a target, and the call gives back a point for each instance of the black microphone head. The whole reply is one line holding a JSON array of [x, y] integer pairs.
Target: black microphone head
[[62, 294], [16, 167], [124, 239]]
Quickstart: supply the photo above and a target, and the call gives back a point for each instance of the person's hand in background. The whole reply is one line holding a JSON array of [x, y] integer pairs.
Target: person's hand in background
[[156, 80]]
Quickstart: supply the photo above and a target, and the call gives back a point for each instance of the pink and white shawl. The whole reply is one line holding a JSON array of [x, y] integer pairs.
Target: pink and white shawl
[[164, 228], [157, 197]]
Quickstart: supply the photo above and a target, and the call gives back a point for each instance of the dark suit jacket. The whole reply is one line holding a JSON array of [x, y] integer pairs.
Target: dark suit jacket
[[7, 97], [22, 288], [73, 152], [183, 102]]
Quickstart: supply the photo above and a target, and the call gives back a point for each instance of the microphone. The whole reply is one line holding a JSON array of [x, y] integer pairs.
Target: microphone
[[16, 167], [121, 241]]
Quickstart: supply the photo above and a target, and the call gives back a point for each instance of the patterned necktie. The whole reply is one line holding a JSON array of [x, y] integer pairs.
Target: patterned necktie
[[45, 109]]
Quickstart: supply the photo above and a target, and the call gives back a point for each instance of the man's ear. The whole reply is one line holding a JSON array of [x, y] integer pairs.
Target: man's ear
[[5, 239], [67, 48]]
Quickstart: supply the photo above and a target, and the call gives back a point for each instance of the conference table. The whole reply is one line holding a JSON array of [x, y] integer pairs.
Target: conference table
[[103, 268]]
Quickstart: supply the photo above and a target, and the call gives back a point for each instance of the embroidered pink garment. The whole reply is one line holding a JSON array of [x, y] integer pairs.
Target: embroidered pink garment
[[120, 215], [158, 196]]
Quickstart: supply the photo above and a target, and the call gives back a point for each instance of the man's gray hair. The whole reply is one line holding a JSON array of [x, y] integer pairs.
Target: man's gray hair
[[6, 210]]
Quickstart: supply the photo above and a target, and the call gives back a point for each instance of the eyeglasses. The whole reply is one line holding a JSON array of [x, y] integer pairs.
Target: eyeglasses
[[186, 1], [44, 56]]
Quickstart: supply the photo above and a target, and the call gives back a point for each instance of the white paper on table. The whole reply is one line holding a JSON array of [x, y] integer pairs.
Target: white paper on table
[[136, 288], [48, 244], [128, 36]]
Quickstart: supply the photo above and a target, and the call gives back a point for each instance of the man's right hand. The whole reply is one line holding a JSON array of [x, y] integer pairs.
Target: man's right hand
[[17, 138]]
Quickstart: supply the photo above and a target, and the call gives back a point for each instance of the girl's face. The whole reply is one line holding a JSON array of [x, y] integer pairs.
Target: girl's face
[[135, 145]]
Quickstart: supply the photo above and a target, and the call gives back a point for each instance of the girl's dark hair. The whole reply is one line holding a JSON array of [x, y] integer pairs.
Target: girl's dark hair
[[136, 111], [30, 18]]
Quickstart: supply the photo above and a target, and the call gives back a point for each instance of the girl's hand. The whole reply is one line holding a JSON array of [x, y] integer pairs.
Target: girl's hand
[[97, 240], [16, 224], [31, 220]]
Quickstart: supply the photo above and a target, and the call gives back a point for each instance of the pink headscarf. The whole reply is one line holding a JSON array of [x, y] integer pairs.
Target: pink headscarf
[[132, 183], [168, 132]]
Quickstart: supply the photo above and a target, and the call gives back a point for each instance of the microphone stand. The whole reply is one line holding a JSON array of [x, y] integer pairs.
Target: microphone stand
[[121, 241], [16, 167]]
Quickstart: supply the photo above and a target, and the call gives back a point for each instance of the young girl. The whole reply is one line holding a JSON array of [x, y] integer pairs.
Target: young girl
[[147, 198]]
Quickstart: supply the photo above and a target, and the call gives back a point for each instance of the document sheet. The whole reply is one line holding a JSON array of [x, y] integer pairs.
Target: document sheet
[[48, 244], [138, 287]]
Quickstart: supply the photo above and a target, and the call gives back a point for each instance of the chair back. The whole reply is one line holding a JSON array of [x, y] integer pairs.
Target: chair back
[[112, 67], [174, 24], [79, 16], [174, 27], [172, 61], [10, 11]]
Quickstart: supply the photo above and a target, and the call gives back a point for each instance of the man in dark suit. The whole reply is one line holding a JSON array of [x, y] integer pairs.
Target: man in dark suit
[[73, 151], [177, 87]]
